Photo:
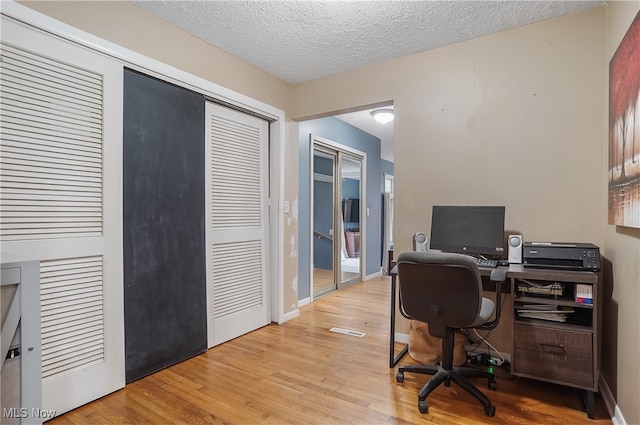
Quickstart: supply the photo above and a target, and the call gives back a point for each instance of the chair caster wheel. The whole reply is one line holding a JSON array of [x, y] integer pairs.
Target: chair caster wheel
[[493, 385], [399, 376], [490, 411], [423, 407]]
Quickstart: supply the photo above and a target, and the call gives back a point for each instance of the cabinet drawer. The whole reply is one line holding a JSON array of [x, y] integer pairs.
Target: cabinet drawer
[[562, 356]]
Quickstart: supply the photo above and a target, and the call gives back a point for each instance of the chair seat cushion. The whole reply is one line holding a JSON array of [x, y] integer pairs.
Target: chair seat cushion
[[485, 312]]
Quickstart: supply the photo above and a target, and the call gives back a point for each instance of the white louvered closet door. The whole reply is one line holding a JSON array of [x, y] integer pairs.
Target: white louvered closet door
[[237, 223], [60, 191]]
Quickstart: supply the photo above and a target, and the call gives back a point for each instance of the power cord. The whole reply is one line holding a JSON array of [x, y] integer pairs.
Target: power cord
[[492, 360], [485, 359]]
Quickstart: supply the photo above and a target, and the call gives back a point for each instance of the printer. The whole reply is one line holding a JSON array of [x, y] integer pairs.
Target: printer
[[561, 256]]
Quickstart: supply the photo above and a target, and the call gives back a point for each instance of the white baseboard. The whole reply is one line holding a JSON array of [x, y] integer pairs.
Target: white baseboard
[[290, 315], [610, 403], [304, 302], [373, 275], [400, 337]]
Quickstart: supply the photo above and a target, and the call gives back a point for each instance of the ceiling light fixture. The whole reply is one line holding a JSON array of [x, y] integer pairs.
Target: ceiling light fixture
[[383, 116]]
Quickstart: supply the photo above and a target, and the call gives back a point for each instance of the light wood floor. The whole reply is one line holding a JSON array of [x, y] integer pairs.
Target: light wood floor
[[323, 278], [300, 373]]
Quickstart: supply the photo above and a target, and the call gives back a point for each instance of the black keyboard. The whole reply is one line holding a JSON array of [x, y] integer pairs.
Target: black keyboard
[[485, 262]]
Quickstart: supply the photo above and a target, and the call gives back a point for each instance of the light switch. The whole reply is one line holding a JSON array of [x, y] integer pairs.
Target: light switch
[[286, 206]]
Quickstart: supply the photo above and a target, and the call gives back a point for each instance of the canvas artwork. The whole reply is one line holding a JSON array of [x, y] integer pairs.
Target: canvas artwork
[[624, 130]]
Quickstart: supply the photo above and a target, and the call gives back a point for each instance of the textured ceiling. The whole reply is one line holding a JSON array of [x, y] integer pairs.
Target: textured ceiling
[[297, 41]]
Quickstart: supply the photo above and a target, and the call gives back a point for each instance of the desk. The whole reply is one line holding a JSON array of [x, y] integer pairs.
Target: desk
[[565, 353]]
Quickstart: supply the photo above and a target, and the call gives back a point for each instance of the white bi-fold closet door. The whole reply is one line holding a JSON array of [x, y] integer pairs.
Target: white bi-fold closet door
[[237, 223], [60, 203]]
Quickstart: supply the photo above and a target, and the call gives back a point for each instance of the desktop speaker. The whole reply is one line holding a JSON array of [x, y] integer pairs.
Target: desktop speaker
[[420, 242], [515, 249]]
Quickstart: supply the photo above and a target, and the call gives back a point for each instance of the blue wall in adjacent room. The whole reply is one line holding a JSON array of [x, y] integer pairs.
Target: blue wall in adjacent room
[[386, 168], [344, 134]]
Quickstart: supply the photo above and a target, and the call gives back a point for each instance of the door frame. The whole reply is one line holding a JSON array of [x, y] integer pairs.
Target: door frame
[[330, 144]]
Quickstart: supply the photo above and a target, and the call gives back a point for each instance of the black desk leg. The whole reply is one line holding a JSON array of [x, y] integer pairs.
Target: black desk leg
[[589, 402], [393, 359]]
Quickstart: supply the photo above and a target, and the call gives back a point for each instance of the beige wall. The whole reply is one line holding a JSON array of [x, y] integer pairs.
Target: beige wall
[[512, 119], [622, 247]]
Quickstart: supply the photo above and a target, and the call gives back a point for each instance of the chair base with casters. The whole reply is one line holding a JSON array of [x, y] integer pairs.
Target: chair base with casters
[[447, 373]]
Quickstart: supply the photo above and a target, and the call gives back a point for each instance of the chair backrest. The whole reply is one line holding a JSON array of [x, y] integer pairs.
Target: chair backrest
[[440, 288]]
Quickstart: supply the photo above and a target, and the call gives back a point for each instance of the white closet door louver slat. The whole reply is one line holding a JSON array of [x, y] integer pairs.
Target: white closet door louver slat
[[72, 314], [37, 175], [237, 277], [235, 175], [72, 140], [39, 71], [61, 167], [48, 150], [55, 341], [86, 312], [61, 112], [51, 148]]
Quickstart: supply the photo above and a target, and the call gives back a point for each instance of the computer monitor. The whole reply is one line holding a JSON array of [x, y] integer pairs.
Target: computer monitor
[[468, 229]]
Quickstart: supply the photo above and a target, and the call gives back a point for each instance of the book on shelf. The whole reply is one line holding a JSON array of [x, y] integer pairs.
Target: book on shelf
[[584, 293], [533, 288], [544, 312]]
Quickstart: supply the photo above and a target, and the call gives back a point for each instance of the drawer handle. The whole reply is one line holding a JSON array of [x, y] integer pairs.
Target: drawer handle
[[547, 344]]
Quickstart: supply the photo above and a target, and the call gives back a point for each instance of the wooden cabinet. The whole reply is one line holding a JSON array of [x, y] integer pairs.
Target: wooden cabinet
[[555, 355], [556, 338]]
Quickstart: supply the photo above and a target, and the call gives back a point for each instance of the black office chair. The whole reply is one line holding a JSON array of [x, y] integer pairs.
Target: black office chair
[[445, 291]]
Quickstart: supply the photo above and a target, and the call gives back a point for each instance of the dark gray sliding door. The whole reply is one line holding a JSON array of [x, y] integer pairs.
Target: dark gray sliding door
[[164, 224]]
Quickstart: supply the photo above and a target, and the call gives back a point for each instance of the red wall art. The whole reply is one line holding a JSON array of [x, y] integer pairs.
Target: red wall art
[[624, 130]]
